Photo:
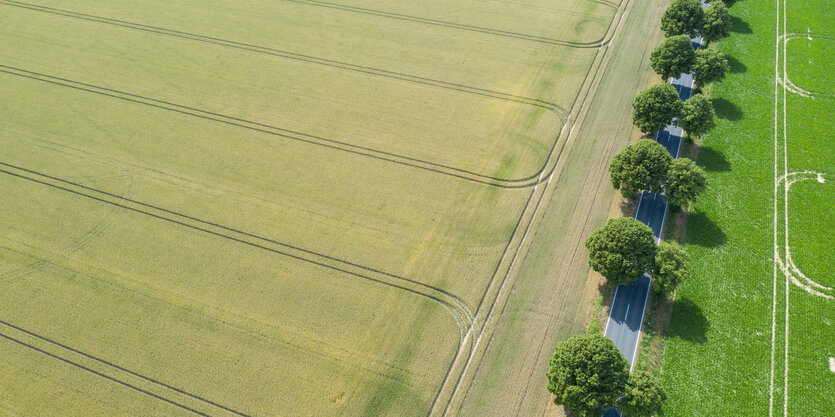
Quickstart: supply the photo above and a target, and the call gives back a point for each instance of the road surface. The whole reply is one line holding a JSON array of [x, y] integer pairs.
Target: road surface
[[627, 313]]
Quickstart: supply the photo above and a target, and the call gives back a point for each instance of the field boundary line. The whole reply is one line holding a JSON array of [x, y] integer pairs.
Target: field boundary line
[[526, 182], [533, 38], [545, 178], [547, 105], [457, 308]]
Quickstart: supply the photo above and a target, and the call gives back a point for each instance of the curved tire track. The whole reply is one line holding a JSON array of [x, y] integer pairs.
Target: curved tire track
[[280, 132], [459, 310]]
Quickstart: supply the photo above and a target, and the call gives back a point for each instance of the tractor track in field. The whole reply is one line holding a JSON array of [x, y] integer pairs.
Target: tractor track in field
[[480, 29], [785, 262], [502, 275], [284, 133], [90, 363], [456, 306], [549, 106]]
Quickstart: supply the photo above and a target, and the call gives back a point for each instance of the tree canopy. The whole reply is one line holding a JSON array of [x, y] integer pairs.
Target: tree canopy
[[672, 266], [717, 22], [588, 374], [655, 107], [640, 166], [683, 17], [622, 250], [710, 66], [673, 57], [644, 395], [696, 116], [685, 181]]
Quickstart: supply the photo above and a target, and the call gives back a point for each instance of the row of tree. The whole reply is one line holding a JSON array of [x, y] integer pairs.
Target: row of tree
[[587, 372], [686, 17]]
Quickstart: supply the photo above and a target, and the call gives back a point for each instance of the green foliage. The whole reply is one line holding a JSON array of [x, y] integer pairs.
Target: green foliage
[[587, 373], [641, 166], [644, 395], [696, 116], [683, 17], [685, 181], [717, 22], [655, 107], [622, 250], [672, 266], [710, 66], [674, 56]]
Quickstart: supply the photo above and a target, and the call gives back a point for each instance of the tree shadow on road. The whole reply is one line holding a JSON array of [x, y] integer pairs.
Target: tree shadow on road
[[688, 321], [725, 109], [702, 231], [712, 160]]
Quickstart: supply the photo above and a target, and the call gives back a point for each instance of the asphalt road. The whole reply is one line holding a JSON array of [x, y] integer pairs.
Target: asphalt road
[[627, 313], [626, 316]]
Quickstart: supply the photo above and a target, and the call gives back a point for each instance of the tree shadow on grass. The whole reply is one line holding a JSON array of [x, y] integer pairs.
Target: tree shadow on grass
[[688, 321], [725, 109], [740, 26], [712, 160], [736, 67], [702, 231]]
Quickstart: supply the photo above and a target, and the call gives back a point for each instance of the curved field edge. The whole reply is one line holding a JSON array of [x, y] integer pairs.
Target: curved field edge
[[441, 90], [551, 295]]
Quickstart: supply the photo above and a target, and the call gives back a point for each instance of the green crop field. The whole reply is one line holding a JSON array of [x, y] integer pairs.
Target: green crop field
[[765, 322], [300, 207]]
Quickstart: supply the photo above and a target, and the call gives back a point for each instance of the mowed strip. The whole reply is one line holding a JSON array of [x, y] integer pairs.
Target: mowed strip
[[494, 136], [174, 307]]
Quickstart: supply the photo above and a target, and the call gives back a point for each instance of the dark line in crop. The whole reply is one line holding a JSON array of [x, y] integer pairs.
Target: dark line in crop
[[277, 131], [295, 56], [120, 368], [99, 374], [239, 240], [461, 26]]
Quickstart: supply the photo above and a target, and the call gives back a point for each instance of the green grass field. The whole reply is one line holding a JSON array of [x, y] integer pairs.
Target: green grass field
[[738, 291], [296, 207]]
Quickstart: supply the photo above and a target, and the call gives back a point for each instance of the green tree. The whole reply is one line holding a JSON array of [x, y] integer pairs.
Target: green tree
[[644, 395], [622, 250], [710, 66], [640, 166], [587, 373], [717, 22], [674, 56], [655, 107], [683, 17], [696, 116], [685, 181], [671, 268]]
